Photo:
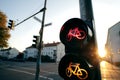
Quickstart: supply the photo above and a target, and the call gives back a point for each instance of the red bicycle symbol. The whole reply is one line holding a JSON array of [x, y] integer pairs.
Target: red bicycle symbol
[[79, 34]]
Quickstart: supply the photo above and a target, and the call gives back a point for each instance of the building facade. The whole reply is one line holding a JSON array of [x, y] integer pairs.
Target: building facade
[[30, 52], [9, 53], [113, 43], [53, 50]]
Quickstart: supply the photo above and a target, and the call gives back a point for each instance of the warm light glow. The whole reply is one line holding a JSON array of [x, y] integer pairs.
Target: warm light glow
[[74, 69], [103, 64], [102, 52]]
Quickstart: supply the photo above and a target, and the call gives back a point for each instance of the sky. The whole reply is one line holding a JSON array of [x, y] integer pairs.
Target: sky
[[106, 14]]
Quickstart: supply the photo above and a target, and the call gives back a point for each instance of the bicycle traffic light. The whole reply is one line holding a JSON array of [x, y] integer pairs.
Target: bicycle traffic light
[[11, 24], [75, 34], [77, 37], [36, 41]]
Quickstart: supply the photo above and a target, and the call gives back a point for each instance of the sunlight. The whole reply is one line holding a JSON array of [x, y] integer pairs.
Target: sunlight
[[102, 52], [103, 64]]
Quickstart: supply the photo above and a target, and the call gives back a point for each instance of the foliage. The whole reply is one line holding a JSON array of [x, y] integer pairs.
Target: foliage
[[4, 31]]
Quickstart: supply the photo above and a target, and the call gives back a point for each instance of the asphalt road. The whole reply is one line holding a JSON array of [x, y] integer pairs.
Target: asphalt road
[[48, 71], [26, 71]]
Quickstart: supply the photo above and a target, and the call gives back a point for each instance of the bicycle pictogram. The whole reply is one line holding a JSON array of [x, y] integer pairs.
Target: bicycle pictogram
[[79, 34], [74, 69]]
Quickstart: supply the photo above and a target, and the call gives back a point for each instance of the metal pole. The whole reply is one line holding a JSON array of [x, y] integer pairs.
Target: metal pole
[[86, 13], [29, 17], [48, 24], [40, 44]]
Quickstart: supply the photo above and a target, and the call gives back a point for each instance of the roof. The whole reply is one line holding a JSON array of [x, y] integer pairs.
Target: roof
[[115, 25], [6, 49], [46, 45], [51, 44]]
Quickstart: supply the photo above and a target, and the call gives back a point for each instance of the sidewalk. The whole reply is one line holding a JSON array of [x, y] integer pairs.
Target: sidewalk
[[109, 71]]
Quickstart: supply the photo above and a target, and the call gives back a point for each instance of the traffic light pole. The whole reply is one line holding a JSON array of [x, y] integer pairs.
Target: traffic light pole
[[40, 44], [87, 15], [43, 9], [86, 12]]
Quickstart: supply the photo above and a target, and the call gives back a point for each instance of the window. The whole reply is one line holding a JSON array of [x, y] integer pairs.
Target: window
[[119, 33]]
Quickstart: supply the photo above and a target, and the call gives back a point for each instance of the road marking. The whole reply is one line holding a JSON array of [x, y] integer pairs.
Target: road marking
[[32, 73], [48, 78], [40, 70]]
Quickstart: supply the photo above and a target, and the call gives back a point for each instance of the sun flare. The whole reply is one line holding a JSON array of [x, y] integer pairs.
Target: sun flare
[[102, 52]]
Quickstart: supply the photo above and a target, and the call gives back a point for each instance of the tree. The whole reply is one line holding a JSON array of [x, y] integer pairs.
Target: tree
[[4, 31]]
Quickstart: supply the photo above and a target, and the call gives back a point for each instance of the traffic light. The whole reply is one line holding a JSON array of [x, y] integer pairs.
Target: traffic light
[[78, 39], [11, 24], [36, 41], [75, 34]]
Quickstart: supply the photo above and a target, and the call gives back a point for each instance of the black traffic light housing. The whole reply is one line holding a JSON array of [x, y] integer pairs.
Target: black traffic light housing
[[36, 41], [71, 67], [78, 38], [11, 24], [75, 34]]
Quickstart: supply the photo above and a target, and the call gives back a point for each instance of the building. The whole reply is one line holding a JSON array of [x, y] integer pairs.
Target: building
[[113, 43], [54, 50], [9, 53], [30, 52]]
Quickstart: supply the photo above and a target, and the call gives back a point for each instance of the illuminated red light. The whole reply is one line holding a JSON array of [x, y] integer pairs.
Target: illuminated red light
[[76, 33]]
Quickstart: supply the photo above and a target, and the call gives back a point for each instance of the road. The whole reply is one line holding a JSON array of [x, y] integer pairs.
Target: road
[[48, 71], [26, 71]]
